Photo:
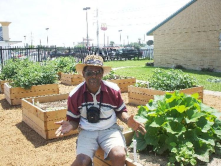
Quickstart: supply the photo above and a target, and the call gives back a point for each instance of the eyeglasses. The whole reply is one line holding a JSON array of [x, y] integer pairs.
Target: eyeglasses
[[93, 73]]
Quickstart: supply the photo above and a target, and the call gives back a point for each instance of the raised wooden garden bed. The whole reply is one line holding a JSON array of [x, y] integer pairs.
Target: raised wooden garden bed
[[42, 121], [99, 155], [124, 83], [141, 96], [71, 79], [59, 75], [2, 85], [14, 95]]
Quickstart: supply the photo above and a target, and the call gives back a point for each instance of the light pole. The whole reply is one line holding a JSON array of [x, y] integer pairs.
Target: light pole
[[24, 41], [104, 28], [47, 35], [120, 35], [87, 8]]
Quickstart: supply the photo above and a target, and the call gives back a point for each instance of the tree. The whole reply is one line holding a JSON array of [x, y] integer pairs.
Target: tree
[[112, 43], [150, 42]]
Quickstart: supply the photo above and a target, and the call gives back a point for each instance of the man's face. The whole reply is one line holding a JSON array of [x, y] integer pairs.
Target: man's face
[[93, 76]]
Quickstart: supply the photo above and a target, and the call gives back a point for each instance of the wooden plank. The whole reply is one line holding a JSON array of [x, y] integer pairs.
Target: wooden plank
[[55, 115], [50, 125], [35, 127], [99, 162], [48, 98], [100, 155], [141, 96], [50, 134], [14, 95], [33, 109], [46, 134], [34, 119], [42, 121], [37, 90], [2, 85], [7, 89], [71, 79], [20, 95], [124, 83]]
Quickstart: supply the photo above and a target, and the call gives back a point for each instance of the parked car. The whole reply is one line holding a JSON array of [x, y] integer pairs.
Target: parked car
[[128, 53], [113, 54]]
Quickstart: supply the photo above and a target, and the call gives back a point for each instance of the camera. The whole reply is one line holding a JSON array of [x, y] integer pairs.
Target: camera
[[93, 115]]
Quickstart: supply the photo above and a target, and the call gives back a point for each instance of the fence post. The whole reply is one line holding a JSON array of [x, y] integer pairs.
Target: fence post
[[1, 58], [38, 53]]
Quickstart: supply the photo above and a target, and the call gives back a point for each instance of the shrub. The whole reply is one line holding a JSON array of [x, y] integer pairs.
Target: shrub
[[12, 67], [170, 80], [35, 74], [181, 126], [64, 64]]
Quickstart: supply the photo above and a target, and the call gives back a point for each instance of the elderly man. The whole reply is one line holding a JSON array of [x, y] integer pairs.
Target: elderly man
[[93, 107]]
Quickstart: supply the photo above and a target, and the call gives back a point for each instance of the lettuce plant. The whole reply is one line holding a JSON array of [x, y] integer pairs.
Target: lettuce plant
[[180, 126]]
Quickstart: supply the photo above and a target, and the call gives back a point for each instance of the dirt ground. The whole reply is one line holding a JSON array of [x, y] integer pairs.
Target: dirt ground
[[22, 146]]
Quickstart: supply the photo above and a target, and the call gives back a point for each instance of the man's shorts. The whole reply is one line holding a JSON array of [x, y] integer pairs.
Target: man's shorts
[[89, 141]]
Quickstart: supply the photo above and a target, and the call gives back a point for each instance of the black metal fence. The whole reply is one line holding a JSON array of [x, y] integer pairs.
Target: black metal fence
[[39, 54]]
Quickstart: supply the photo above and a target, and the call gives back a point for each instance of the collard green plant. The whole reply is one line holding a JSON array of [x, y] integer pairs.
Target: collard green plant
[[170, 80], [181, 126]]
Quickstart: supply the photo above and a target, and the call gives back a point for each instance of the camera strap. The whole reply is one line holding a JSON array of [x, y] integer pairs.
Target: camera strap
[[101, 98]]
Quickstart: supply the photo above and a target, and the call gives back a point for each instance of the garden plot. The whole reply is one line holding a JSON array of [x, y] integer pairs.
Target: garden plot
[[41, 113]]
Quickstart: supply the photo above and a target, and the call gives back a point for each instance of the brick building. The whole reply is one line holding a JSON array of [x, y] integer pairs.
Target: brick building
[[191, 37]]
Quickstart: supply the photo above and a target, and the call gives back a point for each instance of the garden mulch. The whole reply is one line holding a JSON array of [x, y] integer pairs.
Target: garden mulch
[[21, 145]]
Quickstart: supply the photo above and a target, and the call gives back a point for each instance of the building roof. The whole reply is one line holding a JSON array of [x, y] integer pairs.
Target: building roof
[[170, 17]]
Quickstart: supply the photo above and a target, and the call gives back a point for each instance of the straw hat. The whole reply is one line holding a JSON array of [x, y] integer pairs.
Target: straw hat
[[92, 60]]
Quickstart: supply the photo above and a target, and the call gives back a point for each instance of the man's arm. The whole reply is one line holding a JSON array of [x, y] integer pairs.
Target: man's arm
[[74, 124], [123, 116]]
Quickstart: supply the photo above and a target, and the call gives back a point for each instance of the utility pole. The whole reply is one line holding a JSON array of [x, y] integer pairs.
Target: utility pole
[[120, 35], [47, 35], [24, 41], [31, 38], [87, 8], [97, 31]]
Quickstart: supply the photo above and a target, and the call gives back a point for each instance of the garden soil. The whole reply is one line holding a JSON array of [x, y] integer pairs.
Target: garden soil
[[22, 146]]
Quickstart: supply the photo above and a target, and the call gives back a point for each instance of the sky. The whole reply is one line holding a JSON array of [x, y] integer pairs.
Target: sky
[[67, 24]]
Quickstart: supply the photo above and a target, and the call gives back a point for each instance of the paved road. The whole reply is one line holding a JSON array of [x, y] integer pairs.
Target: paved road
[[209, 92]]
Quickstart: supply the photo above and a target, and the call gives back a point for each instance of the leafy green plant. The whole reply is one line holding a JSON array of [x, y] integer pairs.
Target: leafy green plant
[[12, 67], [35, 74], [112, 75], [180, 125], [170, 80], [142, 84], [64, 64]]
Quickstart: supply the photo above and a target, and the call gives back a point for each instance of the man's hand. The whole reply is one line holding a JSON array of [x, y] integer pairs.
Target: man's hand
[[64, 128], [136, 125]]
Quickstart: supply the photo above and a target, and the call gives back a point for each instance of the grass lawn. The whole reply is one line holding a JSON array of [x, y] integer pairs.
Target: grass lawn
[[138, 69]]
